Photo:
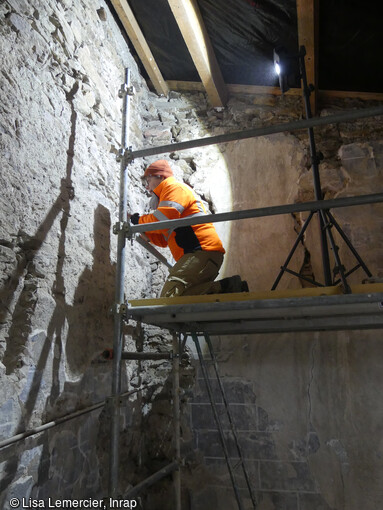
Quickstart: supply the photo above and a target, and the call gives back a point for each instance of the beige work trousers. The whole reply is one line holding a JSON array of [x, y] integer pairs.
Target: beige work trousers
[[194, 274]]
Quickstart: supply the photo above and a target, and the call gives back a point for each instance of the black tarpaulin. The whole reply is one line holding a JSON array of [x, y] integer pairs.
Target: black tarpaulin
[[165, 40], [243, 34]]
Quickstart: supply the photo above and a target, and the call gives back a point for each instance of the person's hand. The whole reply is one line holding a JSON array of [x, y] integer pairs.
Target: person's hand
[[134, 218]]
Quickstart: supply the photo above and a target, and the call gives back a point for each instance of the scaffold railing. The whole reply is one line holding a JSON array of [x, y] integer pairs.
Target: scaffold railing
[[256, 213], [348, 116], [122, 310]]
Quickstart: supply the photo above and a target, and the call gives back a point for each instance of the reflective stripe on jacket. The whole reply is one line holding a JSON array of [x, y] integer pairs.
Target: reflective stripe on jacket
[[177, 200]]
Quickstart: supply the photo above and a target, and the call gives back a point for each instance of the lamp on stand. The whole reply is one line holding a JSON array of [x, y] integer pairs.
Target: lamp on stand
[[286, 68]]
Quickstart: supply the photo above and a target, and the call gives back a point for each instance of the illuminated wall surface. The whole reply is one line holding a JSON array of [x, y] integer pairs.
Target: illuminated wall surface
[[307, 406]]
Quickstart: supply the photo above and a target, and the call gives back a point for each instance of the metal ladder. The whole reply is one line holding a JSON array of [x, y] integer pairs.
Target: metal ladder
[[230, 466]]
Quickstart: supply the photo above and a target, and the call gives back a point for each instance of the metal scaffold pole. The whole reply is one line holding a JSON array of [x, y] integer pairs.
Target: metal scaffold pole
[[260, 212], [125, 92], [177, 421], [260, 131], [316, 176], [178, 322]]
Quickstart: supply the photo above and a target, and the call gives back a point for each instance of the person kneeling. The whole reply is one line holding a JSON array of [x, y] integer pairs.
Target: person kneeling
[[197, 249]]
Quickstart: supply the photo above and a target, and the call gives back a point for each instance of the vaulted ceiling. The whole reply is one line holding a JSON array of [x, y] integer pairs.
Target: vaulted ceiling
[[226, 46]]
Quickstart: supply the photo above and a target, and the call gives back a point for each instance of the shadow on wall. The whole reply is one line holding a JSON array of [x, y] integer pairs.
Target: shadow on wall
[[29, 246], [24, 309], [89, 327], [90, 324], [94, 292], [90, 330], [21, 328]]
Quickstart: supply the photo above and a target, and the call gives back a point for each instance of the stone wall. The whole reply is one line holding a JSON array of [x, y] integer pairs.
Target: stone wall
[[60, 130], [306, 405]]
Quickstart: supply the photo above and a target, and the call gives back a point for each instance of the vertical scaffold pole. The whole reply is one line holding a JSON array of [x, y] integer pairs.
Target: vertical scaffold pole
[[315, 168], [177, 420], [119, 296]]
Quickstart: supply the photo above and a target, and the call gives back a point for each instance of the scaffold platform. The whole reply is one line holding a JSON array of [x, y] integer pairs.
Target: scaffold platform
[[307, 309]]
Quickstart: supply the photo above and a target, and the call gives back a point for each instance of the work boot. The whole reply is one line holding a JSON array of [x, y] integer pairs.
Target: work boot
[[233, 284]]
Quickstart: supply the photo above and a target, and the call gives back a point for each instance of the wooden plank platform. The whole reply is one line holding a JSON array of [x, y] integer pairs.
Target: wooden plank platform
[[309, 309], [250, 296]]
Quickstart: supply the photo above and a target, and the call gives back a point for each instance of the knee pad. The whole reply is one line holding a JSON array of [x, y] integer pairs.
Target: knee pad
[[174, 287]]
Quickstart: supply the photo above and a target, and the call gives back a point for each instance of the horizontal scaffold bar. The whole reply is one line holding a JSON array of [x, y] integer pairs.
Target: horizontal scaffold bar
[[261, 131], [245, 313], [151, 249], [167, 470], [257, 213], [63, 419]]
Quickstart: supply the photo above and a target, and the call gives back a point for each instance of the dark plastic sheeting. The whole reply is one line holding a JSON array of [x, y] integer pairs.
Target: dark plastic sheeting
[[243, 34], [165, 40]]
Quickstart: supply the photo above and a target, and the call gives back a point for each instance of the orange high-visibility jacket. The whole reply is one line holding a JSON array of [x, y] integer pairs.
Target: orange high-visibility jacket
[[177, 200]]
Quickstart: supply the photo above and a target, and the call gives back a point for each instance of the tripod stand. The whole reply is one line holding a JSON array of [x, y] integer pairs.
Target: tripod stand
[[325, 219]]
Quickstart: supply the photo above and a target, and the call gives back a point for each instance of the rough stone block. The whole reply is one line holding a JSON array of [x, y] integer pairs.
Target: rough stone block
[[360, 168], [21, 6], [10, 414], [8, 263], [19, 490], [19, 23], [354, 151]]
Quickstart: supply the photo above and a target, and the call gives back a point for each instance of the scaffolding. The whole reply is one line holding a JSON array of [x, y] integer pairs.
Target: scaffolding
[[328, 306]]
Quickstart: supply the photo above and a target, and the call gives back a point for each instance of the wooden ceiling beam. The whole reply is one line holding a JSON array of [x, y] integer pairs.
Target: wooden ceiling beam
[[233, 89], [138, 40], [261, 90], [193, 30], [308, 28]]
